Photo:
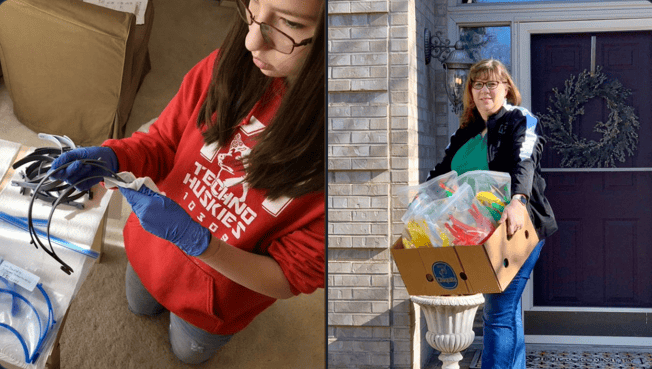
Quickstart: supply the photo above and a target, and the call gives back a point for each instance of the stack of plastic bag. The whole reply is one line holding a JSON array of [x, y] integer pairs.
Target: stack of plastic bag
[[26, 323], [452, 210]]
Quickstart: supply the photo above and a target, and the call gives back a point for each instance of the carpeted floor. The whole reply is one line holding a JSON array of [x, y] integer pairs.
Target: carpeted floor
[[100, 332]]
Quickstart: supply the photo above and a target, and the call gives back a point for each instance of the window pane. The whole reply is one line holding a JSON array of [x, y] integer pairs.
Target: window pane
[[488, 42]]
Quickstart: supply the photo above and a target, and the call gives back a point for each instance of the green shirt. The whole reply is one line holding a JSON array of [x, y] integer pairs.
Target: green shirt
[[471, 156]]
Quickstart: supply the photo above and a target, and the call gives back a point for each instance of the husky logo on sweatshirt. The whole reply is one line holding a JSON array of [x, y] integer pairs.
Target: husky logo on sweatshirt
[[231, 163], [220, 190]]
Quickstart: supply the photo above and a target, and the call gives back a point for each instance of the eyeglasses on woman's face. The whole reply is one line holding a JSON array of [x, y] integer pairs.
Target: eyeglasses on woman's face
[[492, 85], [274, 37]]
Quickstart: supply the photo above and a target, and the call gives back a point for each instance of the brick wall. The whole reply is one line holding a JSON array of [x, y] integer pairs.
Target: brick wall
[[387, 127]]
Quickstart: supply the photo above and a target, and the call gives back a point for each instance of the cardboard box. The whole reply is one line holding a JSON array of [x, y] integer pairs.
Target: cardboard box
[[465, 270]]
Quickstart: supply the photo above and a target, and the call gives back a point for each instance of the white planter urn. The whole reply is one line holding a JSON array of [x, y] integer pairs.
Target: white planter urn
[[450, 324]]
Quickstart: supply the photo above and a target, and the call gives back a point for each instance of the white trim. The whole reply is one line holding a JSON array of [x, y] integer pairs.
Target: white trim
[[516, 67], [549, 11], [612, 25], [453, 120], [527, 299], [590, 340]]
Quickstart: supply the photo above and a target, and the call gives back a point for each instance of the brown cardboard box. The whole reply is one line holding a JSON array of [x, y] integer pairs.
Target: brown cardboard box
[[465, 270]]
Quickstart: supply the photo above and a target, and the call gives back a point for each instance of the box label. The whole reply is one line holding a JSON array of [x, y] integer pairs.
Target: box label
[[18, 275], [444, 275]]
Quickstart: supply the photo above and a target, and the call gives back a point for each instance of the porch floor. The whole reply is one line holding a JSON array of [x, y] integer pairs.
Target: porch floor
[[540, 356]]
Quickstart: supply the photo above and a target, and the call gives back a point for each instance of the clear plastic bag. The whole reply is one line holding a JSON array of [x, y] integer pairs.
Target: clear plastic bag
[[423, 195], [26, 318], [491, 189], [416, 234], [32, 338], [456, 210], [419, 231], [459, 221]]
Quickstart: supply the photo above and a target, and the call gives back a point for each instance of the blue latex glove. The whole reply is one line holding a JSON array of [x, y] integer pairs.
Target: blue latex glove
[[164, 218], [78, 171]]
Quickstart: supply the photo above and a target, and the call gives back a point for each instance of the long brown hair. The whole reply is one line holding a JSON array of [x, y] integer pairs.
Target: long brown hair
[[288, 159], [486, 69]]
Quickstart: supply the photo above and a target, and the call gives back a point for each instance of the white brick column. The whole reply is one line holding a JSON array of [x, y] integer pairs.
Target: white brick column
[[383, 120]]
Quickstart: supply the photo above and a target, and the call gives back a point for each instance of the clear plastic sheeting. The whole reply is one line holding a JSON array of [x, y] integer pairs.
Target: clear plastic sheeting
[[74, 225], [8, 151], [28, 326], [16, 311]]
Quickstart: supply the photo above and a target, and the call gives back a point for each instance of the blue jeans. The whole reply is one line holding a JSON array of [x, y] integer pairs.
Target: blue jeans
[[190, 344], [503, 337]]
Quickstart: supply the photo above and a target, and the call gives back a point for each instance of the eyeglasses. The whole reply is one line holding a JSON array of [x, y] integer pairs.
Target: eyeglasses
[[274, 37], [492, 85]]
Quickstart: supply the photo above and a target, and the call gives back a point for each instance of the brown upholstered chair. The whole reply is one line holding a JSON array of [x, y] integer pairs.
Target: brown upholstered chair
[[73, 68]]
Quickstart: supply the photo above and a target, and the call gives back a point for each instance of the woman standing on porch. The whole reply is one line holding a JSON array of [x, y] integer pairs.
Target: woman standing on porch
[[496, 134]]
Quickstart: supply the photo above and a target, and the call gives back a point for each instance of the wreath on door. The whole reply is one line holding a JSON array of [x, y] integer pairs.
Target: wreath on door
[[619, 133]]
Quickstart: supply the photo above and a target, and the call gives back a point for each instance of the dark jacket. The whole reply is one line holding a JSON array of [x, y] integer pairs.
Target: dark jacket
[[514, 146]]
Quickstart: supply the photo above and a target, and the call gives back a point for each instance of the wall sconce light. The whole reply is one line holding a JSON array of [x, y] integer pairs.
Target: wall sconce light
[[456, 63]]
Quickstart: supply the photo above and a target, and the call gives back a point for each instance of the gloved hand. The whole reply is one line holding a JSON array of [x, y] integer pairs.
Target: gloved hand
[[164, 218], [78, 171]]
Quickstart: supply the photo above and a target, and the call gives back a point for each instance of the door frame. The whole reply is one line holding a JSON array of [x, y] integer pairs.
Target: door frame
[[521, 53], [526, 19]]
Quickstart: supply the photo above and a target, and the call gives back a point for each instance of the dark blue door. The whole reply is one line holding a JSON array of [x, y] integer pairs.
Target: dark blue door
[[602, 254]]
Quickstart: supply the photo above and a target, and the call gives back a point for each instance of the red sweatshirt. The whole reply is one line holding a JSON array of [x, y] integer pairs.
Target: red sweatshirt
[[207, 181]]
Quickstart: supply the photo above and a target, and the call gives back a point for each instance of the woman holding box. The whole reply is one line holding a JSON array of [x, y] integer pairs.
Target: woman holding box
[[496, 134]]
